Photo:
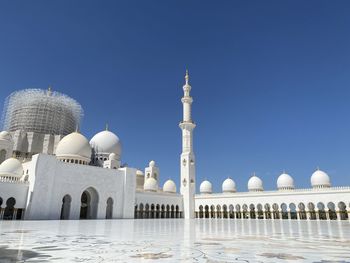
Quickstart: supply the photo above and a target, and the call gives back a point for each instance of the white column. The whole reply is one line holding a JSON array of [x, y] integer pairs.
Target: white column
[[317, 214], [338, 215]]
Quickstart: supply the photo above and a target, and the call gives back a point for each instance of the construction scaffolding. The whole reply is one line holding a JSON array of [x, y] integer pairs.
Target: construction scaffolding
[[41, 111]]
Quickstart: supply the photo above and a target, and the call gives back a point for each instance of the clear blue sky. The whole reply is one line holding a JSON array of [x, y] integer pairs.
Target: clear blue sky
[[270, 79]]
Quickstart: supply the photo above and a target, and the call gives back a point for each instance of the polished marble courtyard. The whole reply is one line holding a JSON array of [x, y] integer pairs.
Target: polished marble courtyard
[[201, 240]]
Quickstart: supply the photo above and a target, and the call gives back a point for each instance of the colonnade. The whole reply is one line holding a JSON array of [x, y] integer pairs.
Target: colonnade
[[310, 211], [157, 211]]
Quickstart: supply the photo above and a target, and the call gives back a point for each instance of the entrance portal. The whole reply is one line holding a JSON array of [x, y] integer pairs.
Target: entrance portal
[[89, 204]]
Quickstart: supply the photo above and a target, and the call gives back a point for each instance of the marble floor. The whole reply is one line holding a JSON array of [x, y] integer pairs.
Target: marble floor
[[173, 240]]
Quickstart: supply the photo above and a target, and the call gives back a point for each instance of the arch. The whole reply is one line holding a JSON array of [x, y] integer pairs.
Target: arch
[[177, 211], [218, 211], [212, 211], [9, 209], [172, 211], [109, 208], [89, 204], [168, 211], [162, 213], [152, 211], [147, 211], [245, 211], [141, 215], [206, 211], [332, 214], [238, 211], [302, 212], [200, 211], [321, 211], [157, 211], [65, 208], [311, 211], [224, 211], [2, 155], [260, 211], [267, 208], [284, 211], [293, 211], [276, 213], [342, 211], [231, 213], [252, 211]]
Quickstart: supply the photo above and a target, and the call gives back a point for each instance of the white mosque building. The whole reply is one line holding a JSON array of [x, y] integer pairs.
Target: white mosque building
[[50, 171]]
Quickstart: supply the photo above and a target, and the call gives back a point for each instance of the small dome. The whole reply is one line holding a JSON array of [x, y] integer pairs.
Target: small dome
[[139, 173], [5, 136], [11, 167], [106, 142], [228, 186], [152, 163], [255, 184], [112, 156], [320, 179], [169, 186], [74, 146], [150, 185], [205, 187], [285, 181]]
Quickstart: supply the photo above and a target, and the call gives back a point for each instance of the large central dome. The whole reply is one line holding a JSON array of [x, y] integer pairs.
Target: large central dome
[[106, 142]]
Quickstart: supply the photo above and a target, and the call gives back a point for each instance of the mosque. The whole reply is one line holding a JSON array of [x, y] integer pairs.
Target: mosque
[[50, 171]]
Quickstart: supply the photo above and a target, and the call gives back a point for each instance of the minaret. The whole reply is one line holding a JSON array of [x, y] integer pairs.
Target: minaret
[[187, 162]]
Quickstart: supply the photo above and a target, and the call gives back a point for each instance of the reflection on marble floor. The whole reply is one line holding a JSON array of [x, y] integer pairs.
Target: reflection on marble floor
[[211, 240]]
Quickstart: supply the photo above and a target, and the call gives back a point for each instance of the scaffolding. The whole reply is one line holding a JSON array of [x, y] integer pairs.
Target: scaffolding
[[41, 111]]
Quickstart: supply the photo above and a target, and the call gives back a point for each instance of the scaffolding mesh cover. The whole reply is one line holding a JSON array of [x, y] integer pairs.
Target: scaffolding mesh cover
[[41, 111]]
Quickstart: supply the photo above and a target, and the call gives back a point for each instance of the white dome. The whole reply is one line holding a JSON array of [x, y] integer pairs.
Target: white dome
[[205, 187], [6, 136], [106, 142], [152, 163], [285, 181], [150, 185], [229, 186], [11, 167], [320, 179], [169, 186], [74, 146], [255, 184]]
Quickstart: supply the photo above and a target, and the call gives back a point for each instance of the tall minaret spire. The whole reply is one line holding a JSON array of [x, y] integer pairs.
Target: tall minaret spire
[[187, 162]]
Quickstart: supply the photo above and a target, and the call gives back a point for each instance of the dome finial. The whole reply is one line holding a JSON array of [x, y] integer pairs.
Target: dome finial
[[77, 128], [107, 127]]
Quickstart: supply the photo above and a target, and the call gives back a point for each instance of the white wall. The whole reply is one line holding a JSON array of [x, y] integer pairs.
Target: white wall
[[17, 190], [51, 179]]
